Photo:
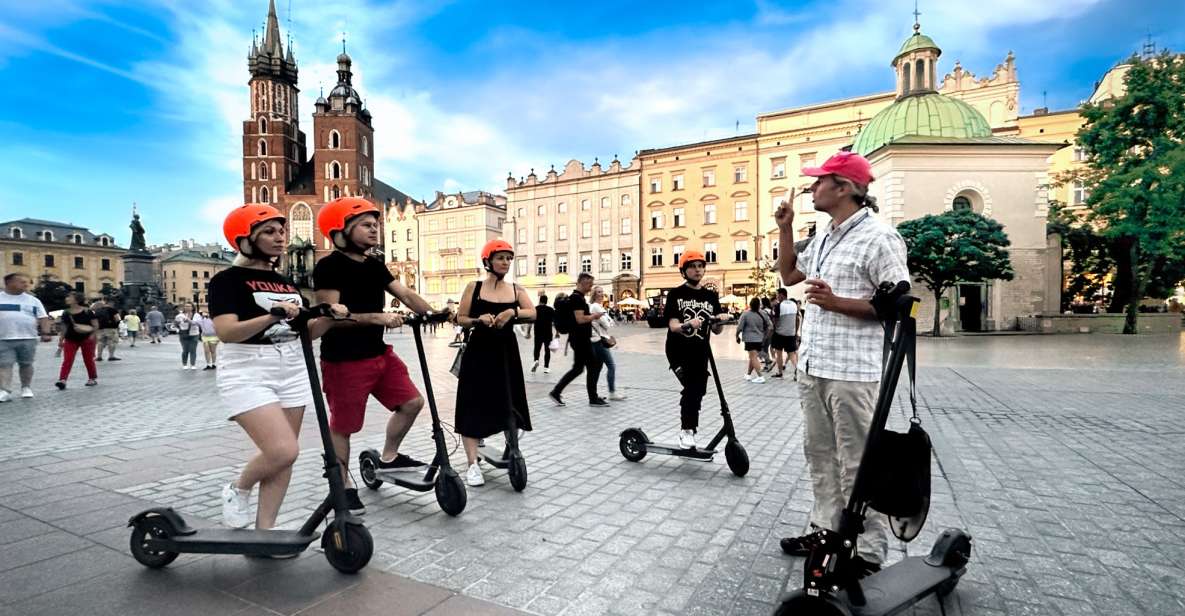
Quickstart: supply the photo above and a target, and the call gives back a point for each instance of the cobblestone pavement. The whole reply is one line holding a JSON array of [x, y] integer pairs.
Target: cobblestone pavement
[[1060, 455]]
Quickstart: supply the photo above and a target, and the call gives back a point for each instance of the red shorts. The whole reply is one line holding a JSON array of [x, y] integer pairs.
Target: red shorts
[[348, 385]]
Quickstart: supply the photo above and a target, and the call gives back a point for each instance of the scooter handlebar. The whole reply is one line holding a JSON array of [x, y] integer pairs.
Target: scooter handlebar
[[312, 312], [431, 316], [708, 322]]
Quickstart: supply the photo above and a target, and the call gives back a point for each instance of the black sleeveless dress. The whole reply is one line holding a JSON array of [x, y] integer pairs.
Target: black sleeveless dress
[[491, 383]]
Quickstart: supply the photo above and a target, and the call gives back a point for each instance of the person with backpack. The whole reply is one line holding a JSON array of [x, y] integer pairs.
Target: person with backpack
[[688, 308], [574, 317], [751, 331], [544, 324]]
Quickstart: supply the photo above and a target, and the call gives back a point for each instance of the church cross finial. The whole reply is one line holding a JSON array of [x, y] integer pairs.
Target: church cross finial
[[917, 26], [343, 42]]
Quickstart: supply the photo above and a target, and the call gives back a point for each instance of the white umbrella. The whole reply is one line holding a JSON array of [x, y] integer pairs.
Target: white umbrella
[[731, 299], [629, 301]]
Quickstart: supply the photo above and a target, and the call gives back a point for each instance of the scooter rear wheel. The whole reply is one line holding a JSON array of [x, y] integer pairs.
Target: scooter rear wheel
[[632, 445], [354, 554], [450, 494], [518, 473], [368, 466], [737, 458], [151, 528]]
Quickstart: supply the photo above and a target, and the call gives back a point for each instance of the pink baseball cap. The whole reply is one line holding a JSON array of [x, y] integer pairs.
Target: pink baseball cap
[[844, 164]]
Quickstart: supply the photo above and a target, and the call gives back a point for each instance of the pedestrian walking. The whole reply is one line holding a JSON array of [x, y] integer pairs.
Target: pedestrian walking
[[767, 315], [209, 339], [751, 331], [78, 331], [544, 326], [108, 339], [490, 386], [156, 324], [577, 313], [23, 321], [263, 381], [842, 342], [603, 342], [785, 339], [355, 361], [190, 333], [132, 321]]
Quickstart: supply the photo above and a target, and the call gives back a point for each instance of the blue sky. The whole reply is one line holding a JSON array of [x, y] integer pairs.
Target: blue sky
[[110, 102]]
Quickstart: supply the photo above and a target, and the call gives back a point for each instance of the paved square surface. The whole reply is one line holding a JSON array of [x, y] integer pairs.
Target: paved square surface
[[1062, 456]]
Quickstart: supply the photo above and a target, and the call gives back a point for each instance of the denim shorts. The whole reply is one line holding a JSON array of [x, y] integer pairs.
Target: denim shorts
[[20, 351], [254, 375]]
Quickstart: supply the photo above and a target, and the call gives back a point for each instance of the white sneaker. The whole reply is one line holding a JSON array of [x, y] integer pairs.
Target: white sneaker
[[473, 476], [5, 396], [758, 379], [236, 507], [687, 439], [26, 392], [547, 371], [748, 377], [613, 395]]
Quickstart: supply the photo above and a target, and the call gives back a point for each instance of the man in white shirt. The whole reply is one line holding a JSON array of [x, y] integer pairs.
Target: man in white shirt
[[22, 321]]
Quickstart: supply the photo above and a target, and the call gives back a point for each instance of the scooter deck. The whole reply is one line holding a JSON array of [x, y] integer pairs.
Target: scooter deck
[[413, 481], [901, 585], [493, 457], [676, 450], [236, 541]]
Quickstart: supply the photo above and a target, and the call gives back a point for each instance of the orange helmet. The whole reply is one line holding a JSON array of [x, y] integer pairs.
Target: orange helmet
[[242, 220], [690, 256], [337, 214], [492, 246]]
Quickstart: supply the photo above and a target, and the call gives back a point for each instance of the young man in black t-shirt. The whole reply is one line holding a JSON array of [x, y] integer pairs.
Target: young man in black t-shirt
[[355, 361], [688, 308], [580, 340], [544, 320], [108, 336]]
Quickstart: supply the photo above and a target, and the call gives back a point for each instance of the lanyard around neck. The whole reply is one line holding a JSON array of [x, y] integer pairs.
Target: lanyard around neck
[[823, 255]]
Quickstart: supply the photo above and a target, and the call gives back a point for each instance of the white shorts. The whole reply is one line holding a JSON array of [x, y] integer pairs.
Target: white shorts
[[255, 375]]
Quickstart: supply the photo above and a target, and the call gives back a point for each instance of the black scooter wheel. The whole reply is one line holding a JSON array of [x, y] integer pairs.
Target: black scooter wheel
[[368, 466], [451, 494], [632, 445], [737, 458], [347, 554], [798, 603], [518, 473], [151, 528]]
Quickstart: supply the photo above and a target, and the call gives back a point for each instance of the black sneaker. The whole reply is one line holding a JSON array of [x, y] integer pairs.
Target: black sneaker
[[555, 396], [799, 546], [60, 384], [114, 359], [598, 402], [355, 503], [402, 463], [778, 375], [98, 359]]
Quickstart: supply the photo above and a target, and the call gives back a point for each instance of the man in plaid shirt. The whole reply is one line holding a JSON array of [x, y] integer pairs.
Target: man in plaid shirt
[[840, 355]]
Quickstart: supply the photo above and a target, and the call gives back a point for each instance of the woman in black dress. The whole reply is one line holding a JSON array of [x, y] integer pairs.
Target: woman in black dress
[[491, 384]]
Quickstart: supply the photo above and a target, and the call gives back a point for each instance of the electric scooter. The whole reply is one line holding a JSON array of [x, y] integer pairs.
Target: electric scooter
[[509, 457], [831, 581], [450, 489], [634, 444], [160, 534]]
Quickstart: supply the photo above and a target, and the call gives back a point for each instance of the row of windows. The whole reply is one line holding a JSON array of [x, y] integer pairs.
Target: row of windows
[[450, 223], [194, 274], [46, 235], [468, 240], [195, 285], [740, 174], [605, 260], [585, 205], [18, 258], [586, 230], [740, 252]]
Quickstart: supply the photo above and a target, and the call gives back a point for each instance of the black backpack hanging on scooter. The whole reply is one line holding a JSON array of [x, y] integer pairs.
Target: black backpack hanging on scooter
[[901, 471]]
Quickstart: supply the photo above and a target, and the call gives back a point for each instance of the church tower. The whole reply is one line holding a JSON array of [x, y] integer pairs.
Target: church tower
[[273, 145], [343, 139]]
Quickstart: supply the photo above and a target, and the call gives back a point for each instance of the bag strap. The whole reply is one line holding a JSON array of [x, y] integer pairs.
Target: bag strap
[[473, 299], [910, 359]]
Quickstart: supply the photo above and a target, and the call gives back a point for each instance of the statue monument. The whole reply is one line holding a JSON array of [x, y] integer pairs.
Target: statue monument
[[139, 279]]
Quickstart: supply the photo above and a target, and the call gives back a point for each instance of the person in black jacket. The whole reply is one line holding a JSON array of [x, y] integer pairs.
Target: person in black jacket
[[544, 325]]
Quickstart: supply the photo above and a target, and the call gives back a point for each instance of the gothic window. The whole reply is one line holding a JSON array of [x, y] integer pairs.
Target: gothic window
[[263, 171], [335, 170], [262, 125], [335, 140], [337, 192], [263, 195], [365, 146], [302, 221], [262, 147]]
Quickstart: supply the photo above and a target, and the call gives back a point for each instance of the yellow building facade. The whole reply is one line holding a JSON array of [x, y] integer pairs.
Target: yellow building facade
[[185, 277], [401, 243], [452, 229], [87, 261]]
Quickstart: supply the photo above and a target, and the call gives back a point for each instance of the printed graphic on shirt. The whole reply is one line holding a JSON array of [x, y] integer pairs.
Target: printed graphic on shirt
[[266, 295], [693, 308]]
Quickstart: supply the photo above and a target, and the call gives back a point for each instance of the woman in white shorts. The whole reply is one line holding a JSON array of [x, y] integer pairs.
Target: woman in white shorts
[[261, 374]]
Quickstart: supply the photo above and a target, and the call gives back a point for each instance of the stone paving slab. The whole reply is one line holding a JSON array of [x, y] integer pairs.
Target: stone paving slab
[[1068, 476]]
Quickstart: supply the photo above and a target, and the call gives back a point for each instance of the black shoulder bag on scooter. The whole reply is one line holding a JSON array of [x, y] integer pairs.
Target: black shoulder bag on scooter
[[901, 479], [455, 369]]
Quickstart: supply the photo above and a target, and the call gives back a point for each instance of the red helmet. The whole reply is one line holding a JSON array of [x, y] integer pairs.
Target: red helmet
[[492, 246], [689, 257], [242, 220], [337, 214]]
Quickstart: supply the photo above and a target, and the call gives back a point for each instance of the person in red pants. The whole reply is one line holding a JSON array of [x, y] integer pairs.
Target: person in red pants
[[79, 325]]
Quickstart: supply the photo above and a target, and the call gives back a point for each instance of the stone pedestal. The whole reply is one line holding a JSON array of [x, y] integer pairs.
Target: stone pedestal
[[139, 280]]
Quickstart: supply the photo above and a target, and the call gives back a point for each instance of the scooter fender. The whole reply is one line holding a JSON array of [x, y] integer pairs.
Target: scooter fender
[[172, 518], [638, 431]]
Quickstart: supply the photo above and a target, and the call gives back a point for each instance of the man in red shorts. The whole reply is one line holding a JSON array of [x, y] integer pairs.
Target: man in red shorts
[[355, 361]]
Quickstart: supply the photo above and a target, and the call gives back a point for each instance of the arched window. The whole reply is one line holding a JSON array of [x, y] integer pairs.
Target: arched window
[[104, 241], [263, 195], [335, 170], [47, 235], [262, 126], [262, 147], [365, 146], [961, 203], [302, 222], [905, 80], [16, 233], [337, 192], [263, 171], [335, 140], [920, 78], [76, 238]]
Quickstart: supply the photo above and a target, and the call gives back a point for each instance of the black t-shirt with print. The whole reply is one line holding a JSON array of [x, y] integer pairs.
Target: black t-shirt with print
[[685, 303], [363, 287], [248, 293], [70, 320]]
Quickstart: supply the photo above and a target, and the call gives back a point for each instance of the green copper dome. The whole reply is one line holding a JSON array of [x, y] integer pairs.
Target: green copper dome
[[930, 115], [916, 41]]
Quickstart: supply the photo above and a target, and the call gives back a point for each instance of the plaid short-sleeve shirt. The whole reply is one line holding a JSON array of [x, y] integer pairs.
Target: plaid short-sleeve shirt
[[854, 258]]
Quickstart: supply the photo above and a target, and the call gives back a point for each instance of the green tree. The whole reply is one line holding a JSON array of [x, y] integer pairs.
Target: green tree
[[52, 293], [1135, 171], [1087, 252], [954, 247]]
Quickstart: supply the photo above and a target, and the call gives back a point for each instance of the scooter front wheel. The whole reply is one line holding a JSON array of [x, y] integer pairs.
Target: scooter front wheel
[[737, 458], [518, 473], [151, 528], [348, 554], [632, 445], [368, 466], [450, 493]]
